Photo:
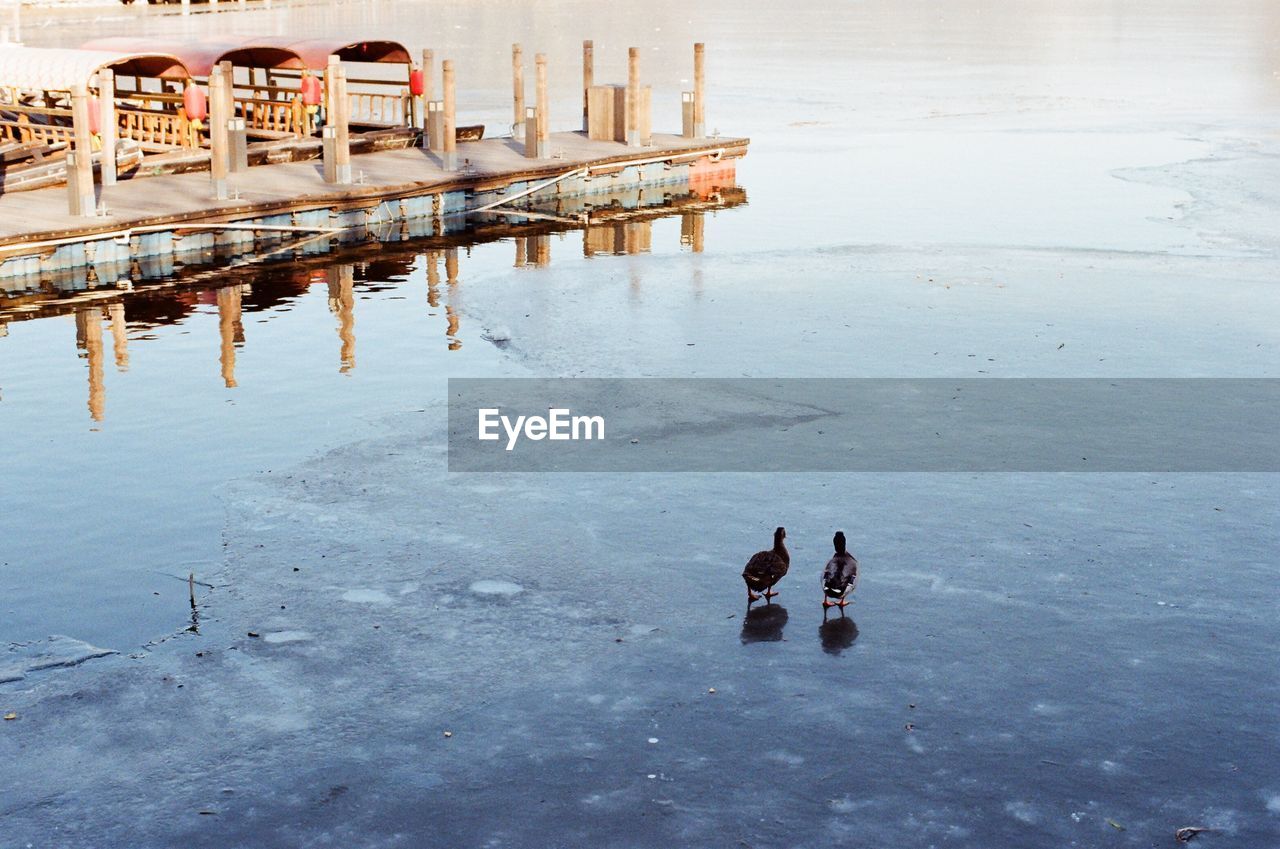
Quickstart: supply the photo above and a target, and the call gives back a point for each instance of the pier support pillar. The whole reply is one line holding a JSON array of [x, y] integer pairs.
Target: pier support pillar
[[80, 169], [107, 124], [428, 92], [543, 118], [699, 90], [449, 156], [435, 126], [517, 91], [588, 79], [633, 97], [237, 146], [531, 132], [218, 118]]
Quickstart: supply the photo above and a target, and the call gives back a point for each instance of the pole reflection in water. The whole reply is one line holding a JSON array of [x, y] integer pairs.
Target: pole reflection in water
[[691, 224], [451, 310], [119, 335], [231, 331], [342, 303], [610, 227], [432, 259], [541, 246], [89, 339]]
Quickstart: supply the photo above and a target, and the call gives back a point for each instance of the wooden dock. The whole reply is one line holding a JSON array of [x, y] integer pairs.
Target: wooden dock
[[37, 233]]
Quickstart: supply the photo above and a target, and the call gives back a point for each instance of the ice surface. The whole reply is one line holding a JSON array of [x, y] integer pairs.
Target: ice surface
[[1105, 206], [19, 659], [496, 588]]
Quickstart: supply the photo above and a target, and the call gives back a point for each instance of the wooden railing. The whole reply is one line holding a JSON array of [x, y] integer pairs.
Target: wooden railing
[[24, 130], [158, 128], [369, 108], [267, 113]]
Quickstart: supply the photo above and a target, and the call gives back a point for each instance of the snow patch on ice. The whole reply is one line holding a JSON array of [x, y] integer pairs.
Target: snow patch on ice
[[1021, 811], [366, 597], [53, 652], [787, 758], [496, 588], [287, 637], [1273, 803]]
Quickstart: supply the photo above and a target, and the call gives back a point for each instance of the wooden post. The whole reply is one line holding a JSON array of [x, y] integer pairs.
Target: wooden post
[[588, 77], [517, 91], [543, 120], [82, 200], [450, 155], [633, 97], [186, 7], [428, 74], [330, 73], [342, 131], [686, 114], [218, 134], [699, 90], [428, 92], [107, 124]]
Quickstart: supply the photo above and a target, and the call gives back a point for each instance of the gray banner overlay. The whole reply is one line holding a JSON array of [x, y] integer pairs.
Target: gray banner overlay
[[866, 425]]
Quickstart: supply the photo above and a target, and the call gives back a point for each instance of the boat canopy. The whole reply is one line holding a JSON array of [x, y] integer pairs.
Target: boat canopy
[[315, 52], [200, 57], [58, 69]]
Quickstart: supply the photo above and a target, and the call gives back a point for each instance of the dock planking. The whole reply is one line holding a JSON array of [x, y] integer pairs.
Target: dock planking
[[187, 199]]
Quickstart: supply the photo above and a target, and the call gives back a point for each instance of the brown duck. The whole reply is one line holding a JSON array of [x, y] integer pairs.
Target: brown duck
[[840, 577], [766, 568]]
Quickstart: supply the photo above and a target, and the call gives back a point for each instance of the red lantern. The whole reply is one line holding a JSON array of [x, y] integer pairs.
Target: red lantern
[[416, 83], [95, 116], [195, 103]]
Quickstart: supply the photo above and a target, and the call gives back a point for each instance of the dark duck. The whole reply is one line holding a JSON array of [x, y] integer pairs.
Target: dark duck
[[840, 576], [766, 568]]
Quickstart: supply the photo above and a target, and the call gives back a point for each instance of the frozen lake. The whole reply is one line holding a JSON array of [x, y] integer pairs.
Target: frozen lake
[[1032, 660]]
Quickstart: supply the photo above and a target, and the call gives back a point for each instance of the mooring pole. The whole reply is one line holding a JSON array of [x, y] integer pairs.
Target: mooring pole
[[218, 134], [544, 133], [633, 97], [107, 124], [699, 90], [342, 153], [428, 74], [588, 77], [517, 91], [82, 201], [450, 147]]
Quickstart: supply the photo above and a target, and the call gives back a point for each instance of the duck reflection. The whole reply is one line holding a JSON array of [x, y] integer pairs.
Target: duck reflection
[[837, 634], [764, 624]]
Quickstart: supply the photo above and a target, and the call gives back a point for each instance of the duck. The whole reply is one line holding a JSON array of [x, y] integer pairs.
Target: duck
[[840, 576], [766, 568]]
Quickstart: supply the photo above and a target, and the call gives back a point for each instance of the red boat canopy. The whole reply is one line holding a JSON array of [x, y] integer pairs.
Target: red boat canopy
[[200, 57], [315, 52]]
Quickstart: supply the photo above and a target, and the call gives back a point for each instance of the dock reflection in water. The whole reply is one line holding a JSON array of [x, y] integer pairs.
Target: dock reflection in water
[[611, 225]]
